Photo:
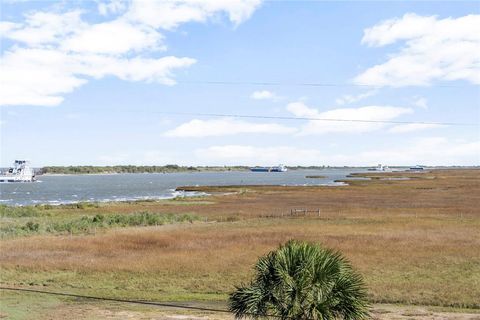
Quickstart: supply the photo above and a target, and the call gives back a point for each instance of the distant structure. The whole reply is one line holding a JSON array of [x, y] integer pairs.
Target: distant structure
[[20, 172], [279, 168]]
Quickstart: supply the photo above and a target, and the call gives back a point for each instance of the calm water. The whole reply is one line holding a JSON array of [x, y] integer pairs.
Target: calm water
[[121, 187]]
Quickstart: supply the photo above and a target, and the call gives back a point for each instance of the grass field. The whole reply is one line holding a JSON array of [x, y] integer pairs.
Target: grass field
[[415, 241]]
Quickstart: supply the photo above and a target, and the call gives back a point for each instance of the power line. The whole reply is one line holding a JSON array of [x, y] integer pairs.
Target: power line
[[304, 84], [226, 115], [151, 303]]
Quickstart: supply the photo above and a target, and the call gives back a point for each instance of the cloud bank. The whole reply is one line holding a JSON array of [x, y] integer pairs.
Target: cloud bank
[[224, 127], [433, 49], [425, 151], [54, 53], [367, 113]]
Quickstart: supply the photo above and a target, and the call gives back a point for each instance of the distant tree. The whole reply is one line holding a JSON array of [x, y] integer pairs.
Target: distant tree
[[302, 281]]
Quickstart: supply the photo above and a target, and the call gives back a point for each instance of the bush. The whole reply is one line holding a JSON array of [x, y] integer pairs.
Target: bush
[[31, 226], [98, 218]]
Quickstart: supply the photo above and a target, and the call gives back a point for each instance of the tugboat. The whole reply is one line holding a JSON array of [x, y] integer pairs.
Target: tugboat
[[279, 168], [20, 172]]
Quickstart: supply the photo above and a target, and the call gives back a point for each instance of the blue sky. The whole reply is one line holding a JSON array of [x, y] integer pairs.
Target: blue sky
[[88, 82]]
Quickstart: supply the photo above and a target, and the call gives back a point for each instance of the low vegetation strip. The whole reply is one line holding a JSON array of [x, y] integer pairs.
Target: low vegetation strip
[[41, 209], [18, 212], [131, 169], [87, 224]]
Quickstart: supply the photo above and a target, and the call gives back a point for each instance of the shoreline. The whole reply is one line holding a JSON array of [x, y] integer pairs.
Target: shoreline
[[58, 203], [188, 191]]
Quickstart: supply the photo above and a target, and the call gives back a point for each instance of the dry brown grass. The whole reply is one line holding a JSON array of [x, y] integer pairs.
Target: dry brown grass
[[415, 241]]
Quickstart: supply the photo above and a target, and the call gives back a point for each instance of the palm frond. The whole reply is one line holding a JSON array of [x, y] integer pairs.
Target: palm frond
[[301, 280]]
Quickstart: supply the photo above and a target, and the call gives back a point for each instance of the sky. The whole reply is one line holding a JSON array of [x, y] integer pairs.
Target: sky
[[96, 82]]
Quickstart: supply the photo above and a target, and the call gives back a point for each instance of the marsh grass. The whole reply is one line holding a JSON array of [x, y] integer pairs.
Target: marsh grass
[[18, 212], [89, 224], [415, 242]]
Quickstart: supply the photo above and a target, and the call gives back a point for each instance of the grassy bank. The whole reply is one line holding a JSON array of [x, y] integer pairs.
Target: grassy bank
[[30, 220], [415, 241]]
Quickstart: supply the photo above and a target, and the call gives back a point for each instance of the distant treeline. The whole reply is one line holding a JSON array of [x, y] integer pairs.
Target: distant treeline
[[131, 169]]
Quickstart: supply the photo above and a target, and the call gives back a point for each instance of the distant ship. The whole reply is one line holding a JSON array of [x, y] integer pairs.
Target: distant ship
[[20, 172], [279, 168], [416, 168], [379, 168]]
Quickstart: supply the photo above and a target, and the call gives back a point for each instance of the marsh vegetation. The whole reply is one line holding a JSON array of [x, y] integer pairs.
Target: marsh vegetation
[[415, 241]]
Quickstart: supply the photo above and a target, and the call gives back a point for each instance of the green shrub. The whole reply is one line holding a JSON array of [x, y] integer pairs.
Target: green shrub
[[98, 218], [31, 226]]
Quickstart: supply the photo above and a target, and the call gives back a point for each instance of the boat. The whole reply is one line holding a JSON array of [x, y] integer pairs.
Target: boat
[[417, 168], [20, 172], [380, 167], [279, 168]]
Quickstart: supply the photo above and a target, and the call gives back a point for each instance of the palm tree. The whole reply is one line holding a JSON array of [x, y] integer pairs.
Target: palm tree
[[302, 281]]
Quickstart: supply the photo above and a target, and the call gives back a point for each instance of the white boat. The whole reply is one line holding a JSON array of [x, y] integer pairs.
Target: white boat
[[380, 167], [20, 172]]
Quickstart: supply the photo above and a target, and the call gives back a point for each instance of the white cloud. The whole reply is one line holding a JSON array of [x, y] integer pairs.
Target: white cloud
[[111, 7], [347, 99], [43, 76], [225, 126], [44, 28], [168, 15], [426, 151], [421, 102], [411, 127], [263, 95], [435, 50], [103, 38], [250, 155], [55, 53], [367, 113]]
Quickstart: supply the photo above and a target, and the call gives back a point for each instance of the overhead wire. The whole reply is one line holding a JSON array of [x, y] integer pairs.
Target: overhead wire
[[150, 303], [302, 84], [250, 116]]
